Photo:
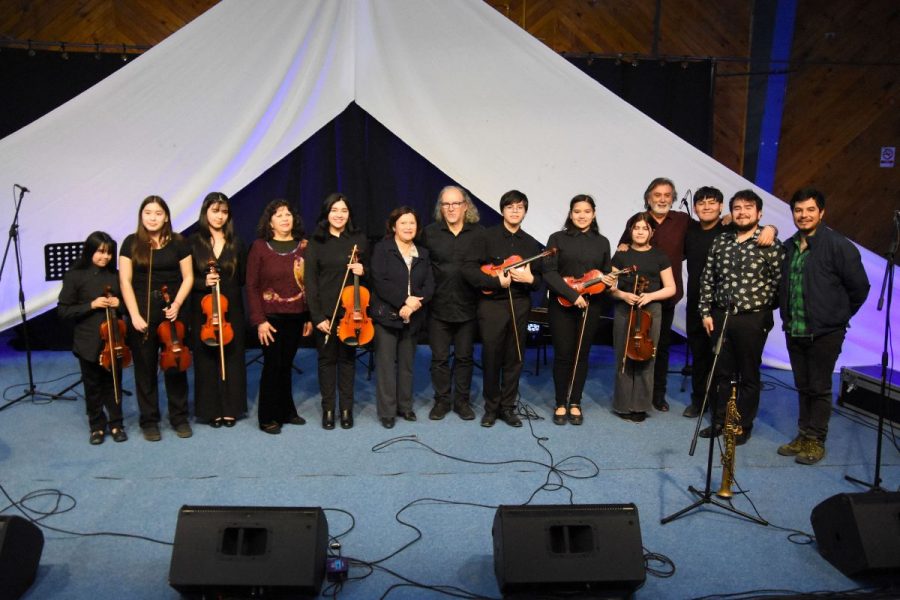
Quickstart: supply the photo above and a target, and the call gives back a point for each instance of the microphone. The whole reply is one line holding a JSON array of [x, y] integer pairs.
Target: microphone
[[684, 202], [23, 188]]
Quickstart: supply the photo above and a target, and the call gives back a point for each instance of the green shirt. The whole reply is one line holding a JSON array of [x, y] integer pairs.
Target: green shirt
[[796, 302]]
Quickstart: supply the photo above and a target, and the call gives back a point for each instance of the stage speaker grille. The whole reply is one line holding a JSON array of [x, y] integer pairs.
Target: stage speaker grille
[[21, 544], [859, 533], [249, 551], [568, 548]]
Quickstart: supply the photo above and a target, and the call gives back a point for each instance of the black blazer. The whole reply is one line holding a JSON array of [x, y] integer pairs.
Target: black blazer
[[80, 288], [391, 279]]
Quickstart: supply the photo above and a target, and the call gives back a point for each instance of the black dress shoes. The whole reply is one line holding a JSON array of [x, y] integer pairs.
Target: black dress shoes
[[510, 418], [488, 419], [387, 422], [712, 430], [691, 412], [327, 419], [660, 404], [575, 419], [464, 410], [560, 419], [297, 420], [407, 415], [346, 419]]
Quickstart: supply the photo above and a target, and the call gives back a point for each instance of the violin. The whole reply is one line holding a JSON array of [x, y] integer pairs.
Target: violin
[[115, 354], [355, 327], [590, 283], [513, 262], [174, 355], [639, 343], [216, 331]]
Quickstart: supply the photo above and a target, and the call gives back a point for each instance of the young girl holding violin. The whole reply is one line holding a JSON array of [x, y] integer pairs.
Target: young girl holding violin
[[328, 267], [90, 291], [639, 296], [582, 253], [220, 373], [152, 258], [276, 301]]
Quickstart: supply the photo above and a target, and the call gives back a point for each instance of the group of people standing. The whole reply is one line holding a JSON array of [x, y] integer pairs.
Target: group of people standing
[[474, 281]]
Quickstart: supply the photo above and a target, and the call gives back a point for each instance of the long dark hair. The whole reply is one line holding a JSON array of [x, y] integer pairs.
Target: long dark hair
[[569, 225], [140, 246], [228, 262], [322, 232], [395, 216], [264, 229], [94, 242], [637, 218]]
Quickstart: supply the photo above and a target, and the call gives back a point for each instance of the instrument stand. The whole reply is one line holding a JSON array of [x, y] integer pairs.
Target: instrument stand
[[706, 496], [31, 391], [887, 283]]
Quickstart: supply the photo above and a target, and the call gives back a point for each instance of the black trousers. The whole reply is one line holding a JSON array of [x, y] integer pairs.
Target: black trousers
[[455, 380], [395, 353], [565, 329], [661, 368], [337, 369], [741, 356], [99, 395], [701, 356], [145, 353], [813, 360], [501, 363], [276, 398]]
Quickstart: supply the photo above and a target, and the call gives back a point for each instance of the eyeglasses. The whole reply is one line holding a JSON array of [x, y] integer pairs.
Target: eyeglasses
[[515, 208], [451, 204]]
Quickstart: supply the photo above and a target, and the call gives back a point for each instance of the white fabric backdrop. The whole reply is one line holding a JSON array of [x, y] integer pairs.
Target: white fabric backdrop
[[233, 92]]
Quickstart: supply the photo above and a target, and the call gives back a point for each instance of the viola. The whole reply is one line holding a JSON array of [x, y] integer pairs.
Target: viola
[[174, 355], [355, 327], [590, 283], [216, 331], [115, 354], [513, 262], [639, 343]]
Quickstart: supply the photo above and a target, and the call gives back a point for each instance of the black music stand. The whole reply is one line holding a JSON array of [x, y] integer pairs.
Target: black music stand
[[706, 496], [13, 239]]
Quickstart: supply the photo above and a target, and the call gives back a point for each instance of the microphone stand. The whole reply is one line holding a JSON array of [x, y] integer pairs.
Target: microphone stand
[[13, 239], [887, 283], [706, 496]]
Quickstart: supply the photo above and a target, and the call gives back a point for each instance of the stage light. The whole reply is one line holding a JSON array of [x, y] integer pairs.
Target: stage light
[[124, 55], [65, 54]]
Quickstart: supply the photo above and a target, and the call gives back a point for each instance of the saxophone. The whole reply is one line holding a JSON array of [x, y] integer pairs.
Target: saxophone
[[730, 431]]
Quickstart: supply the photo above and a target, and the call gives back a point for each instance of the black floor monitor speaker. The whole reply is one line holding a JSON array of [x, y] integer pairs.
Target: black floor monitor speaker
[[568, 549], [21, 543], [249, 551], [859, 533]]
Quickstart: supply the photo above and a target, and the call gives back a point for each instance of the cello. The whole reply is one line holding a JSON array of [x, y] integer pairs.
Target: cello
[[638, 341], [115, 355], [355, 327], [216, 331], [174, 355]]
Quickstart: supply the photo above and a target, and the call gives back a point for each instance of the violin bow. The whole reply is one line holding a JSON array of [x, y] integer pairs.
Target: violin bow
[[149, 287], [110, 322], [338, 303], [218, 316], [512, 314], [630, 323], [584, 316]]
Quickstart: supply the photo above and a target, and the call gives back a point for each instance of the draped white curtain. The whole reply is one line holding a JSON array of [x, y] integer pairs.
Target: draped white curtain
[[233, 92]]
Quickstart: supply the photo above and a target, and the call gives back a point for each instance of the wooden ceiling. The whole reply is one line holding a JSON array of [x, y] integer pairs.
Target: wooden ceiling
[[840, 108]]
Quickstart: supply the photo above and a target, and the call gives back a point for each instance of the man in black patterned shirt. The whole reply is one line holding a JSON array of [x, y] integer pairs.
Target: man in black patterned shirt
[[740, 278]]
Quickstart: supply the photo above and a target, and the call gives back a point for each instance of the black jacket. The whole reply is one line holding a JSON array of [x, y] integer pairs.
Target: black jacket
[[391, 280], [835, 284], [80, 288]]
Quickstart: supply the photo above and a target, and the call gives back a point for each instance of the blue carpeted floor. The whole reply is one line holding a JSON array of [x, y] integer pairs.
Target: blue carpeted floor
[[138, 487]]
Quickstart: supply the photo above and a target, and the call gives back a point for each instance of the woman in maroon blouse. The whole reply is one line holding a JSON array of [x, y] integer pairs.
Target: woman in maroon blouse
[[276, 299]]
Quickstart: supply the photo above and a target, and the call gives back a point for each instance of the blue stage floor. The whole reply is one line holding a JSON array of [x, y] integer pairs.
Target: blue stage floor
[[138, 487]]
